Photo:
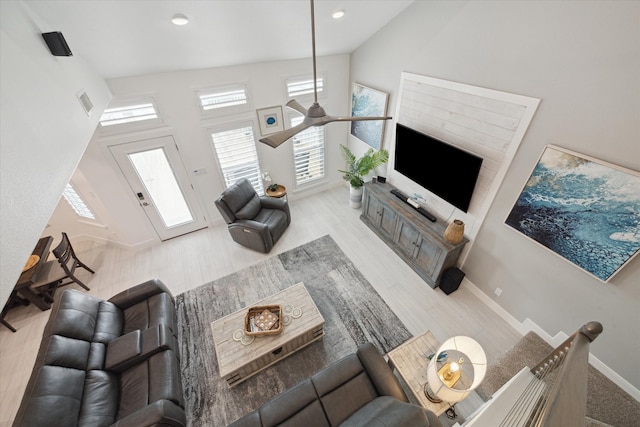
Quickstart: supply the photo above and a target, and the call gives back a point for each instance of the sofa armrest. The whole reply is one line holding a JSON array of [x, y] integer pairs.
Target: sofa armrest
[[139, 293], [244, 231], [161, 413], [275, 203], [381, 375], [136, 346]]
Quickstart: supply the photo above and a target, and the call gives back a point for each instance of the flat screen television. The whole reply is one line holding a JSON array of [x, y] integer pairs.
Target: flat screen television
[[447, 171]]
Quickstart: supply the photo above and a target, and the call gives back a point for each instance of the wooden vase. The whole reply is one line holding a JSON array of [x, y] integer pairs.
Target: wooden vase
[[454, 232]]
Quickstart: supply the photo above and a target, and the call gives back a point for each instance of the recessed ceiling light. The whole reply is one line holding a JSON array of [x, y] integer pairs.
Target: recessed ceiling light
[[338, 14], [180, 19]]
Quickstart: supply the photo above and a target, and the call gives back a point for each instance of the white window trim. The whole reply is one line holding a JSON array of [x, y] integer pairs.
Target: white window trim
[[132, 126], [230, 126], [224, 111]]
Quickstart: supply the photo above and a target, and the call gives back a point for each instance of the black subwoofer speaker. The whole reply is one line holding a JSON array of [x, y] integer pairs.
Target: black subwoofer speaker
[[57, 44], [451, 279]]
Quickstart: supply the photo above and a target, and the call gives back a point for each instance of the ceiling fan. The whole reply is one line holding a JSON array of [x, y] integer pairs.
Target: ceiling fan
[[315, 115]]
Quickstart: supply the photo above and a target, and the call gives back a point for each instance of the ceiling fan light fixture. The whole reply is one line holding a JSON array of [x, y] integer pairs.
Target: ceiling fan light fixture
[[180, 19], [314, 115]]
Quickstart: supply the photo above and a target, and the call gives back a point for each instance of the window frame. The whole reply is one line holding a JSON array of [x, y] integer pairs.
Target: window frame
[[133, 125], [224, 111], [309, 97], [230, 126]]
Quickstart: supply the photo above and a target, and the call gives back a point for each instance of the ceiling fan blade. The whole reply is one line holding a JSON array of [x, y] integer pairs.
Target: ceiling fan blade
[[278, 138], [296, 106], [315, 115]]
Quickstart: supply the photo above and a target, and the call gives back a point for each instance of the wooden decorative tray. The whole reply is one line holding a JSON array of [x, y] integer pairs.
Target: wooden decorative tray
[[263, 320], [31, 262]]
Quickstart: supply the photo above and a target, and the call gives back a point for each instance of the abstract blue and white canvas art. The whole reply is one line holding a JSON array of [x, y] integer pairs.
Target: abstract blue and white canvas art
[[585, 210], [368, 102]]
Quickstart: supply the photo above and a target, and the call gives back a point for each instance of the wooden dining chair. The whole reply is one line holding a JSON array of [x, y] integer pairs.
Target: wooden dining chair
[[61, 271]]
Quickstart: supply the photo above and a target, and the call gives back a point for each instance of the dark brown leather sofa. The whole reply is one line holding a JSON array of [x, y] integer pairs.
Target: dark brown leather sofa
[[107, 363], [359, 390]]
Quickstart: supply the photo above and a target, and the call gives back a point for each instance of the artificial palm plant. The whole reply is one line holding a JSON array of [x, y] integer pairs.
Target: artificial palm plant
[[357, 169]]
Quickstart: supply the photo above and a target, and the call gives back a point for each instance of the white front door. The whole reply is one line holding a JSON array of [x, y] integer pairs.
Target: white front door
[[155, 172]]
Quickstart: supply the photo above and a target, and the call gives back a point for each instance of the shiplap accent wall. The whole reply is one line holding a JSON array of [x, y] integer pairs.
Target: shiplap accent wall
[[485, 122]]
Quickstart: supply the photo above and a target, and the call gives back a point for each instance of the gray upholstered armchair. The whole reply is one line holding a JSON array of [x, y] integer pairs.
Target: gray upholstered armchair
[[254, 221]]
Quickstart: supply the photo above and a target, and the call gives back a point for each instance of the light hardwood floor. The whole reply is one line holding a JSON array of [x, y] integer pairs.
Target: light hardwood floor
[[197, 258]]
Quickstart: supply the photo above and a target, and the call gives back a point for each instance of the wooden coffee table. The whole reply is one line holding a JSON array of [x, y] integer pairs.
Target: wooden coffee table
[[241, 359], [410, 360]]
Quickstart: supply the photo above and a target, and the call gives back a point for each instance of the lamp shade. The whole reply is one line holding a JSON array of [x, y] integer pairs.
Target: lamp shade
[[456, 369]]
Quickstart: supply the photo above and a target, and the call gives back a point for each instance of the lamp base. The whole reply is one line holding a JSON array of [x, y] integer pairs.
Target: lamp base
[[430, 395]]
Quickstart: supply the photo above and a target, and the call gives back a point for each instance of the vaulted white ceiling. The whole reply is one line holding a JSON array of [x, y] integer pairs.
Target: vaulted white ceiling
[[124, 38]]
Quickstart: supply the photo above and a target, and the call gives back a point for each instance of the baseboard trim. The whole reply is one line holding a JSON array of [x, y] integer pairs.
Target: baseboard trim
[[84, 237], [529, 325]]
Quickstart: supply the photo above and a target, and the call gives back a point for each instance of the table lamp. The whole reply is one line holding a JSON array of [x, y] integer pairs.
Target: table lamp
[[455, 370]]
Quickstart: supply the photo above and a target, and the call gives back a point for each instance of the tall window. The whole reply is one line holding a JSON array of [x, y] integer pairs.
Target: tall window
[[229, 99], [237, 156], [76, 202], [308, 153]]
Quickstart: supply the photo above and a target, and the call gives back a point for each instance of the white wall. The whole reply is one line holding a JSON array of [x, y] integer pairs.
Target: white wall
[[175, 96], [582, 60], [43, 134]]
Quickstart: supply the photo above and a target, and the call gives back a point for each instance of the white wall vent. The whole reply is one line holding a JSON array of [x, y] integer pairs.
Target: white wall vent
[[85, 101]]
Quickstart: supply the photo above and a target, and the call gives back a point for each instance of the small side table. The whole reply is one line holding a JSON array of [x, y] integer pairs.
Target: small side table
[[410, 360], [280, 192]]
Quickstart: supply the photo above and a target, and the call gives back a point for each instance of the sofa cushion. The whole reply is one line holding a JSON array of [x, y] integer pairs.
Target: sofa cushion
[[56, 395], [343, 388], [97, 356], [275, 220], [100, 399], [109, 324], [388, 411], [76, 316], [156, 378], [157, 309], [67, 352], [241, 200], [299, 406], [250, 209]]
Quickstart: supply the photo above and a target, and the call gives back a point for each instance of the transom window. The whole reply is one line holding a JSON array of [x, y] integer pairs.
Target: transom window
[[224, 98], [302, 87], [235, 149], [308, 153], [127, 115], [75, 201]]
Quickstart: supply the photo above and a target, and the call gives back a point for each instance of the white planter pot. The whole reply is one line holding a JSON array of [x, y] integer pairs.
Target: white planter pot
[[355, 197]]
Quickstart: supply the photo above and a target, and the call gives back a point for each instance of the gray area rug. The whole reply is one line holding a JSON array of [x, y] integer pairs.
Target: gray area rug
[[607, 403], [354, 313]]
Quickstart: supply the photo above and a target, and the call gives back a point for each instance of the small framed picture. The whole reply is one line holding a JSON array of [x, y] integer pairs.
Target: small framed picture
[[270, 120]]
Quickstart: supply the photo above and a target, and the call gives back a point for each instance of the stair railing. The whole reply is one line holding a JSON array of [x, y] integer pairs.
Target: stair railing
[[557, 394]]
